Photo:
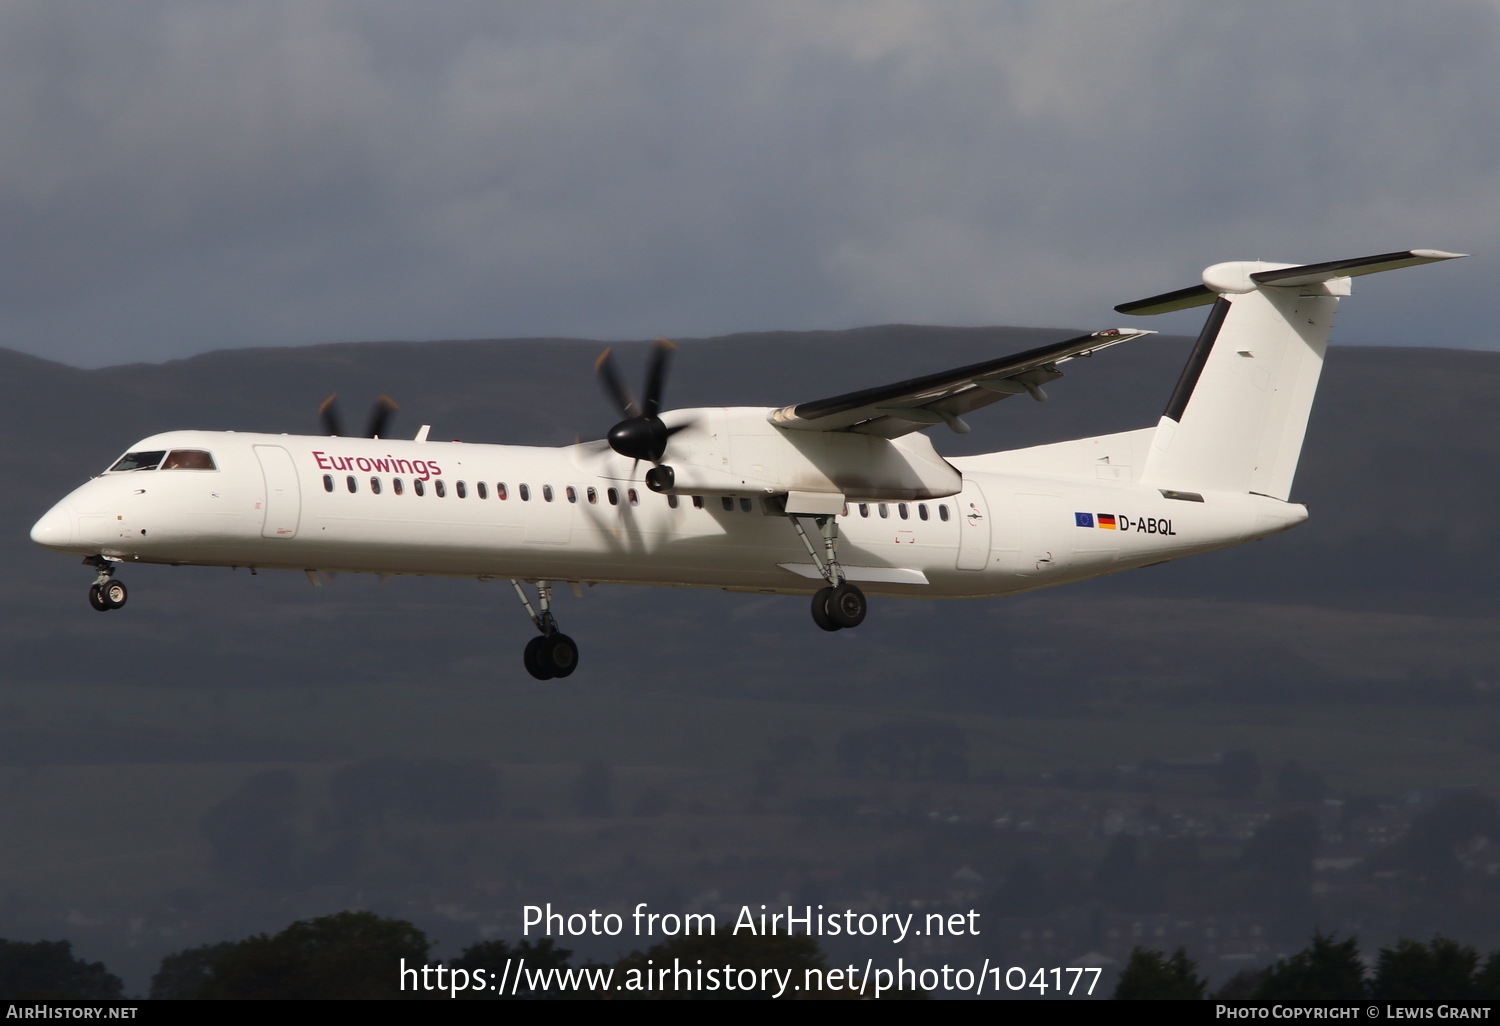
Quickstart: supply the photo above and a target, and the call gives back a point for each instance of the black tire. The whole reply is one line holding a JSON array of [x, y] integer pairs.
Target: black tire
[[820, 613], [533, 660], [559, 653], [113, 593], [97, 600], [847, 606]]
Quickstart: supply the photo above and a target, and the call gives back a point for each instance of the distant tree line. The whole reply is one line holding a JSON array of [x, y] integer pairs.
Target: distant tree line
[[356, 955], [48, 970], [1326, 970]]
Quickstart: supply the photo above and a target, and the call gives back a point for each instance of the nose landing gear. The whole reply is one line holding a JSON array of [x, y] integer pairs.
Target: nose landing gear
[[106, 593], [553, 654]]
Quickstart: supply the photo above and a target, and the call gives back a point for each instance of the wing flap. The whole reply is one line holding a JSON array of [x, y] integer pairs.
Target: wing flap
[[867, 574]]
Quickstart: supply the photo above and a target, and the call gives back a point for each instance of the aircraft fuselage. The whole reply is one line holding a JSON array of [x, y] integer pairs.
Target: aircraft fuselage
[[581, 513]]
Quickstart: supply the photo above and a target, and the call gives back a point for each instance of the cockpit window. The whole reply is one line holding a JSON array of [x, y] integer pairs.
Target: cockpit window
[[189, 459], [140, 460]]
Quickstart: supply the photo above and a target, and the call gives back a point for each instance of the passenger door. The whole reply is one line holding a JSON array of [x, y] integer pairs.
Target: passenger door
[[283, 502], [973, 529]]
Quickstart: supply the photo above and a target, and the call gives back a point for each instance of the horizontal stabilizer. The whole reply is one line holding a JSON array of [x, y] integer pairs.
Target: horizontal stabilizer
[[1182, 299], [1309, 274], [1240, 277]]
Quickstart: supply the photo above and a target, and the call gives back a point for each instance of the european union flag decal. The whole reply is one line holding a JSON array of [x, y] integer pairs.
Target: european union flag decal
[[1084, 519]]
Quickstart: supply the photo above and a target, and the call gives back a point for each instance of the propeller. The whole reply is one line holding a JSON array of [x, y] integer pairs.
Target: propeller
[[641, 435], [380, 416]]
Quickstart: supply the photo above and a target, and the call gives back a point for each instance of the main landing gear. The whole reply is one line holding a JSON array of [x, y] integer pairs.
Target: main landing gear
[[835, 608], [106, 593], [840, 604], [553, 654]]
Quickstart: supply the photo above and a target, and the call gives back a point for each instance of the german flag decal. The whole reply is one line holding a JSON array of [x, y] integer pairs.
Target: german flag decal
[[1107, 521]]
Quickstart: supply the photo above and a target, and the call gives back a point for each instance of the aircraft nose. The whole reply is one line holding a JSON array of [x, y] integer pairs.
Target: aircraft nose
[[55, 529]]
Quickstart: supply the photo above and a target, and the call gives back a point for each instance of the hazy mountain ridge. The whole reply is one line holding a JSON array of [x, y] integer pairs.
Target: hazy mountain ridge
[[1399, 512]]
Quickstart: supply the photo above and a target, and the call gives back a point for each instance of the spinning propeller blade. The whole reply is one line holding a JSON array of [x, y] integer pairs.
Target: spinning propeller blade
[[656, 376], [605, 368], [328, 416], [641, 435], [380, 416]]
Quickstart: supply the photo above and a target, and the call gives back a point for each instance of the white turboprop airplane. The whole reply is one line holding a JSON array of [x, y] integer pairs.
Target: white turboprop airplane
[[817, 498]]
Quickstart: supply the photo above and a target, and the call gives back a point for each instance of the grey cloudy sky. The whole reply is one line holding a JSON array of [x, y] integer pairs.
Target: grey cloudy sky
[[192, 175]]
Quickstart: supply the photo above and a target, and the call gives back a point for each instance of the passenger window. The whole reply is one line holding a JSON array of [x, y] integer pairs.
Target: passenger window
[[942, 512], [351, 484], [571, 493], [728, 504], [139, 460], [635, 500], [189, 459], [500, 492], [864, 509], [901, 509], [484, 491], [397, 486], [884, 512], [922, 510], [418, 487], [614, 496], [697, 502], [440, 488], [524, 491], [375, 485], [461, 490], [745, 505], [672, 501], [328, 482], [547, 493]]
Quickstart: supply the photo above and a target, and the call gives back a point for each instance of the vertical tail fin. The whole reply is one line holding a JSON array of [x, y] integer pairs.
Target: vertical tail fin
[[1238, 415]]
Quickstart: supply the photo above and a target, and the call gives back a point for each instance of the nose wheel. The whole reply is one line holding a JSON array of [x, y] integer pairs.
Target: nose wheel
[[552, 653], [106, 593]]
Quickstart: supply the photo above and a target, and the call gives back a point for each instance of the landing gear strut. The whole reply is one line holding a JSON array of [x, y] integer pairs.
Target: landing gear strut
[[106, 593], [553, 654], [840, 604]]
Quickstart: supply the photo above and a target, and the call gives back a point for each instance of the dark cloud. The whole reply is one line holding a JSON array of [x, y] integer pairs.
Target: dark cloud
[[181, 176]]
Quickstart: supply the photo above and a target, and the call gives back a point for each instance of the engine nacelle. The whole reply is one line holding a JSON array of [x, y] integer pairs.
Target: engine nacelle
[[736, 451]]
